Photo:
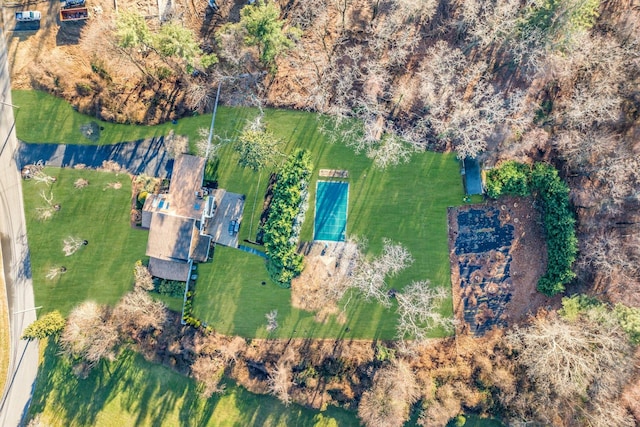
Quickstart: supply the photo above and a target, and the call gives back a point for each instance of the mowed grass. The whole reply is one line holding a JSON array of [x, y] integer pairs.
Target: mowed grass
[[405, 203], [44, 118], [134, 392], [102, 270]]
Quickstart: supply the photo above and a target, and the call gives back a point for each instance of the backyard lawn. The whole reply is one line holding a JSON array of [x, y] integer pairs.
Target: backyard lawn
[[103, 269], [407, 204], [132, 391]]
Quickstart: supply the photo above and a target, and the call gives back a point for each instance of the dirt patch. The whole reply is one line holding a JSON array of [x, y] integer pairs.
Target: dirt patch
[[327, 268], [497, 254]]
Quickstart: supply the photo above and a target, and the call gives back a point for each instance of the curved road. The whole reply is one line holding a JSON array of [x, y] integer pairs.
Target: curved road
[[23, 365]]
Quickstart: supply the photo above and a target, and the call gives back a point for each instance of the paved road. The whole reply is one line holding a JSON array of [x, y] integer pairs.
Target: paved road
[[144, 156], [23, 366]]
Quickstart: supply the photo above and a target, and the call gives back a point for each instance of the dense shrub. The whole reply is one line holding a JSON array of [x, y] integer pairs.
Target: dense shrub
[[559, 224], [170, 288], [543, 182], [511, 178], [280, 231], [50, 324], [629, 318]]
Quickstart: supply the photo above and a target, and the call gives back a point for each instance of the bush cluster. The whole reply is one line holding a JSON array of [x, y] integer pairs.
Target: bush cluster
[[543, 182], [172, 288], [627, 317], [280, 234]]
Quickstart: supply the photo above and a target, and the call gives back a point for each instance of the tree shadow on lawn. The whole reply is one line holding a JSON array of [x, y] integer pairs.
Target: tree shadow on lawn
[[147, 391], [77, 401]]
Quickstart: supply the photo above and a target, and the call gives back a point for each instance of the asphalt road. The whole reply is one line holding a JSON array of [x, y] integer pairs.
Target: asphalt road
[[23, 365]]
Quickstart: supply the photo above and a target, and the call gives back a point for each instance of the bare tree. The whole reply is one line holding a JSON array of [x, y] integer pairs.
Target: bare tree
[[390, 151], [272, 320], [89, 335], [369, 277], [142, 278], [388, 401], [567, 360], [80, 183], [199, 96], [46, 212], [230, 351], [418, 310], [71, 244], [43, 178], [208, 371], [176, 144], [280, 382], [138, 312], [55, 272]]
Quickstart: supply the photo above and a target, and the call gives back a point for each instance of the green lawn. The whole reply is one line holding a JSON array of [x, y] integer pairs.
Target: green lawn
[[132, 391], [44, 118], [102, 270], [406, 203]]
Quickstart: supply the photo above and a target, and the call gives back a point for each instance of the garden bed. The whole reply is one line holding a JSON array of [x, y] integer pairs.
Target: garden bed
[[497, 255]]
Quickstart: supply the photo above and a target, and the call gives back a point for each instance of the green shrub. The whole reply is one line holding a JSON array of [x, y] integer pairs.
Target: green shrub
[[50, 324], [629, 318], [559, 224], [511, 178], [84, 89], [279, 235], [460, 421], [573, 307], [170, 288]]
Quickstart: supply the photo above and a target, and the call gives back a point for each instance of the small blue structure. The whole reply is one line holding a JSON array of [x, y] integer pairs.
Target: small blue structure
[[472, 176]]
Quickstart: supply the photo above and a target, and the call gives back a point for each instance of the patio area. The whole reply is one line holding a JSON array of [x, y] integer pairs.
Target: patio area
[[227, 219]]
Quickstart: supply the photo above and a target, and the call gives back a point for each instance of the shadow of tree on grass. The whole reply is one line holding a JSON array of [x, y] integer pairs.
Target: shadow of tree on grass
[[137, 392]]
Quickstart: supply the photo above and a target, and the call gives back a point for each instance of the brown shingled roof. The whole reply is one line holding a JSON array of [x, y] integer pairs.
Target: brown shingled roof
[[170, 237]]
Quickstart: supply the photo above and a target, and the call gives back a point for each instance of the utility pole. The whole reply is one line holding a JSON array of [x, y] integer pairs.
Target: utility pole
[[213, 120]]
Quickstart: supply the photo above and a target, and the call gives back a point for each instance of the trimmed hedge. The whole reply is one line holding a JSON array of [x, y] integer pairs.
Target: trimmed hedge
[[280, 233], [543, 182]]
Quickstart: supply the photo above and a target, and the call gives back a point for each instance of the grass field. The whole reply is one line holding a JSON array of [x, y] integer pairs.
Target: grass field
[[102, 270], [132, 391], [44, 118], [5, 344], [406, 204]]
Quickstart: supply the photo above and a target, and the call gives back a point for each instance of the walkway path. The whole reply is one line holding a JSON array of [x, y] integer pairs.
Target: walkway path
[[144, 156]]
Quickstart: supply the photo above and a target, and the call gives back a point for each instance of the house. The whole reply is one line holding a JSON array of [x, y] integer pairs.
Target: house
[[177, 221]]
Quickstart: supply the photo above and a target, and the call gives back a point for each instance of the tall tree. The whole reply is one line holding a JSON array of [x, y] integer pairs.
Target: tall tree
[[257, 147], [264, 29]]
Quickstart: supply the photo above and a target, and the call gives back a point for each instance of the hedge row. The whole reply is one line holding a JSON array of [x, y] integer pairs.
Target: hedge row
[[280, 236], [543, 182]]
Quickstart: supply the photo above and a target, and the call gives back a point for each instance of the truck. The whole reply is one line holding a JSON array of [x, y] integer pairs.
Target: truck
[[69, 4], [75, 14], [28, 16]]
